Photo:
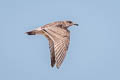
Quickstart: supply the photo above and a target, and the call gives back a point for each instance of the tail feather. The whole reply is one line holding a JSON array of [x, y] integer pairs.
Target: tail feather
[[31, 33]]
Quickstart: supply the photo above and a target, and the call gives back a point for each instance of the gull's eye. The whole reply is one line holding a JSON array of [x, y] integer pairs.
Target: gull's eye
[[69, 22]]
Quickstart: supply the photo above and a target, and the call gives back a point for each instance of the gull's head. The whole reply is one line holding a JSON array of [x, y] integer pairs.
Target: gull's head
[[70, 23]]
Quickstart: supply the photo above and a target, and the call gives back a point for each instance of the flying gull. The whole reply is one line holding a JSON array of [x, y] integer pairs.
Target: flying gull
[[58, 36]]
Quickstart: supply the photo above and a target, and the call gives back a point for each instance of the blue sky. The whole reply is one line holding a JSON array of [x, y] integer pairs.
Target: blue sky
[[94, 51]]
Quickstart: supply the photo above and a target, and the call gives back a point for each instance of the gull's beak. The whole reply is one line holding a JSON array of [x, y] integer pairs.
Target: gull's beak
[[76, 24]]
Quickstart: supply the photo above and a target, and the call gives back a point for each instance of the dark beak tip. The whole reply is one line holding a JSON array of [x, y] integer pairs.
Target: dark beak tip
[[76, 24]]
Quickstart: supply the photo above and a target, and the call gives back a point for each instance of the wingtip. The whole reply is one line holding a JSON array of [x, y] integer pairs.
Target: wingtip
[[58, 67], [52, 61], [52, 65]]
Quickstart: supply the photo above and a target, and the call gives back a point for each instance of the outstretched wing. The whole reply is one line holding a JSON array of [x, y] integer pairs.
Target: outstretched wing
[[61, 48], [51, 47], [60, 38]]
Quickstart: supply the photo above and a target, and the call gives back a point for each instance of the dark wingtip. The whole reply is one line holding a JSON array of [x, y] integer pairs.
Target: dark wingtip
[[52, 61], [52, 65]]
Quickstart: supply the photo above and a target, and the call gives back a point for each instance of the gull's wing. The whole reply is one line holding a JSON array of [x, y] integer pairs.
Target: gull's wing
[[61, 48], [51, 47], [60, 38]]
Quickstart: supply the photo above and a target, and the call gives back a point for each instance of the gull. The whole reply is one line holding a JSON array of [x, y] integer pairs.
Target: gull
[[58, 36]]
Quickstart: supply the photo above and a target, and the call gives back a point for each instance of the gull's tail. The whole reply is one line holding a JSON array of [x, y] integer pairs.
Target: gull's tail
[[34, 32], [31, 32]]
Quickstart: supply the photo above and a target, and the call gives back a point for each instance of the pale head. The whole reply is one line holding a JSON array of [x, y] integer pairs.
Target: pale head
[[70, 23]]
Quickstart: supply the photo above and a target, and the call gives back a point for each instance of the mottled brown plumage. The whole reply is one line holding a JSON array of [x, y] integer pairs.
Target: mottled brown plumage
[[58, 36]]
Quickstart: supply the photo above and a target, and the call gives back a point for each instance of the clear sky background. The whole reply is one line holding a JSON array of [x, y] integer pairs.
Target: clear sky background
[[94, 51]]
